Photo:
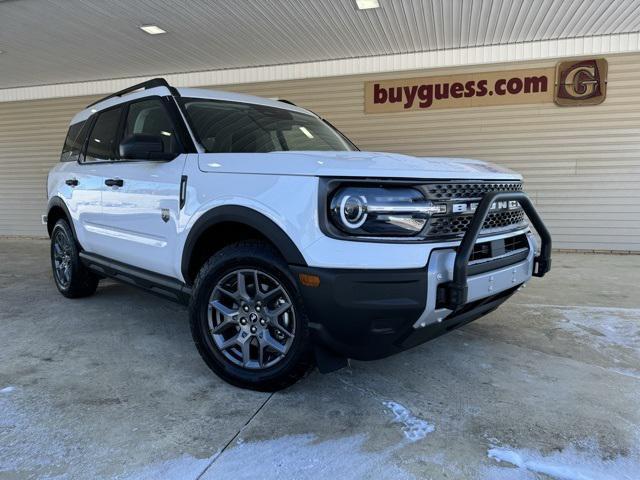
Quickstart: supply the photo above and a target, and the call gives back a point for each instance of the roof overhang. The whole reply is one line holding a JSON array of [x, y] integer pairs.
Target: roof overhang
[[86, 47]]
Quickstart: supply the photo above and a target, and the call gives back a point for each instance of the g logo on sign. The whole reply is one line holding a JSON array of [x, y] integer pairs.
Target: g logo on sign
[[581, 82]]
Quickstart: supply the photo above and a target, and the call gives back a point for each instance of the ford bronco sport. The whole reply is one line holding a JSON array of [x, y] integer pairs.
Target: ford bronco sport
[[290, 246]]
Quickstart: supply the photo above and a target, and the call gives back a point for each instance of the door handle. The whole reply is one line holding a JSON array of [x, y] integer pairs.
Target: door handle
[[114, 182], [72, 182]]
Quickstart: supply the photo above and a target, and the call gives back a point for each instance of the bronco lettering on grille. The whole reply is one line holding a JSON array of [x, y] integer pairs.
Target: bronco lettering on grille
[[472, 206]]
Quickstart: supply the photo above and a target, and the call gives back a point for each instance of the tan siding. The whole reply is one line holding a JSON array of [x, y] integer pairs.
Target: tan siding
[[581, 165], [31, 137]]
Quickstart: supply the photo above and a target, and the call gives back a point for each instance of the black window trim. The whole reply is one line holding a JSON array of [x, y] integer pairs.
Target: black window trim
[[83, 124], [166, 103], [93, 119], [178, 117]]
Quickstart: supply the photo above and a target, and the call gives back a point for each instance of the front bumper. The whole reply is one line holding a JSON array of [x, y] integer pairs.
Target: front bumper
[[369, 314], [440, 273]]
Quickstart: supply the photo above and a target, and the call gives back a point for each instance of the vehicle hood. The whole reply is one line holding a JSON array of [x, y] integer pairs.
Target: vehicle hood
[[354, 164]]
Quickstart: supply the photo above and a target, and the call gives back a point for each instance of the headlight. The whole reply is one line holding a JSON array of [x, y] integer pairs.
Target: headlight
[[381, 211]]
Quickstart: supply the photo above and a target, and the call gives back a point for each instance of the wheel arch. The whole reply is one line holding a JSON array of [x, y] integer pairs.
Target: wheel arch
[[245, 219], [56, 210]]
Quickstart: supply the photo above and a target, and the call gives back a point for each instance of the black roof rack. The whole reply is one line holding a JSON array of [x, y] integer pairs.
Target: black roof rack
[[155, 82], [287, 101]]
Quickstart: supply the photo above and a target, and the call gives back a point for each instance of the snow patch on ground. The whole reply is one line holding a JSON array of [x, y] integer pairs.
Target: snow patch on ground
[[27, 448], [602, 326], [613, 332], [620, 327], [183, 467], [414, 428], [568, 464], [304, 456], [627, 372]]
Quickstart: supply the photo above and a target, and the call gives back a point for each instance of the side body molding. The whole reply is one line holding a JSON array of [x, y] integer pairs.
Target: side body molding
[[250, 218]]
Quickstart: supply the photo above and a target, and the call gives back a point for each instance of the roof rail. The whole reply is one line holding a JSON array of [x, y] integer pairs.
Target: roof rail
[[287, 101], [155, 82]]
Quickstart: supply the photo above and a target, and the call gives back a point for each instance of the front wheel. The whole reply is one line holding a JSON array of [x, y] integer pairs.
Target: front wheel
[[72, 278], [247, 318]]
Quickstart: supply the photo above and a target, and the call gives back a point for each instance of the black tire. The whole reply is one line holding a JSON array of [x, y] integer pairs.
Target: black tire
[[78, 281], [249, 256]]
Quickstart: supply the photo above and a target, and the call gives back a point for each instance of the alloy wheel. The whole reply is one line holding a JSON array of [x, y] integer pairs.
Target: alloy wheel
[[62, 255], [251, 319]]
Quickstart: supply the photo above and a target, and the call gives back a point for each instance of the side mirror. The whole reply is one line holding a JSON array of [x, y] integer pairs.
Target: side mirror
[[144, 147]]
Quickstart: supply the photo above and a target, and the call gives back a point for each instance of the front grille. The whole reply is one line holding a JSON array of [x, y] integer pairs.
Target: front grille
[[512, 244], [480, 251], [453, 224], [449, 191], [458, 224], [499, 247]]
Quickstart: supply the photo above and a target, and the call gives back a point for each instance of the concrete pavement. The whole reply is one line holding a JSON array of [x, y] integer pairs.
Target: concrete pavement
[[111, 386]]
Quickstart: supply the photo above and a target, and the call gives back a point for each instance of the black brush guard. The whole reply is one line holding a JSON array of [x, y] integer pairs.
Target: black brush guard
[[457, 289]]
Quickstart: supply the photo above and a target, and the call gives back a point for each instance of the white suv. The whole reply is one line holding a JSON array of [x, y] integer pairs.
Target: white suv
[[290, 246]]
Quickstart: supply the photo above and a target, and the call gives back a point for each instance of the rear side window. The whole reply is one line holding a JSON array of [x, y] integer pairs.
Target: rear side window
[[74, 142], [102, 139], [149, 117]]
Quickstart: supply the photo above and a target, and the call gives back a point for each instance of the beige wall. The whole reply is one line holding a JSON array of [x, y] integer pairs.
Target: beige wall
[[581, 165]]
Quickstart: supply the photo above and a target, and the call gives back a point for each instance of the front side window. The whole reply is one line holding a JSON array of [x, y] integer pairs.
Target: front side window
[[102, 139], [149, 117], [230, 127]]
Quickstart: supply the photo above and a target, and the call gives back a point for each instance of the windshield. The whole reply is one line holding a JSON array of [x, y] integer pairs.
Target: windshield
[[230, 127]]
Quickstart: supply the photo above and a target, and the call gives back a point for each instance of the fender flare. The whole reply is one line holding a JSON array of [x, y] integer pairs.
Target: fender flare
[[59, 202], [250, 218]]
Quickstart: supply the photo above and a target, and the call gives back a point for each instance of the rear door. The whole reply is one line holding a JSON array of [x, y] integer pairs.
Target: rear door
[[78, 187], [141, 198], [98, 149]]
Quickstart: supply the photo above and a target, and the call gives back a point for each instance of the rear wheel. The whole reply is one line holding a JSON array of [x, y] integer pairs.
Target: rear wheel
[[247, 318], [71, 277]]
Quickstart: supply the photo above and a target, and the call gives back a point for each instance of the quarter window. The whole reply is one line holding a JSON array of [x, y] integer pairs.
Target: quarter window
[[102, 140], [74, 142], [149, 117]]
